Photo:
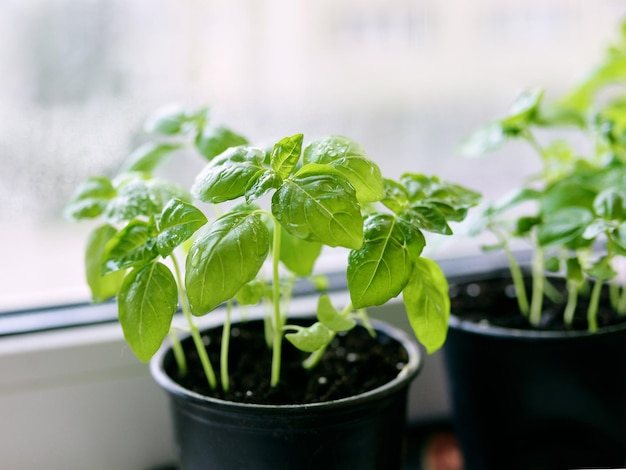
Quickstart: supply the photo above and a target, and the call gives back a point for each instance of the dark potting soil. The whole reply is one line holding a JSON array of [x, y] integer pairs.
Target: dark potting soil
[[353, 363], [494, 301]]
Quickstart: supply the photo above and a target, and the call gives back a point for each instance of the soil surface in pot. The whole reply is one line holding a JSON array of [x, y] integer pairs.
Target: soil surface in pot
[[353, 363], [494, 301]]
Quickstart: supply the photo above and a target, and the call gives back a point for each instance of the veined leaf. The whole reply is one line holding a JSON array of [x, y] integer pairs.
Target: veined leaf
[[427, 217], [380, 269], [352, 161], [285, 155], [133, 199], [229, 175], [563, 225], [91, 198], [250, 293], [321, 207], [134, 245], [179, 221], [396, 196], [214, 140], [149, 156], [427, 304], [228, 254], [105, 286], [147, 302]]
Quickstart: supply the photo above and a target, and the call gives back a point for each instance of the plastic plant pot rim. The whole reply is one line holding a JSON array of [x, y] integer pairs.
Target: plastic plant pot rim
[[404, 377], [486, 329]]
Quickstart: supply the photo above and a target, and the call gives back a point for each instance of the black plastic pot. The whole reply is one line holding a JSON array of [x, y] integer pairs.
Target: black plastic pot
[[365, 431], [538, 399]]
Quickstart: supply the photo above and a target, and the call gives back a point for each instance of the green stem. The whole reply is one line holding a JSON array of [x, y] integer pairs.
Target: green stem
[[621, 304], [572, 301], [614, 295], [536, 302], [316, 356], [518, 281], [224, 376], [594, 301], [195, 334], [278, 319], [179, 354]]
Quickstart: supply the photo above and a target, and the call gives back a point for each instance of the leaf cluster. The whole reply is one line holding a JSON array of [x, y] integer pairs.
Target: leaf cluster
[[288, 202], [573, 211]]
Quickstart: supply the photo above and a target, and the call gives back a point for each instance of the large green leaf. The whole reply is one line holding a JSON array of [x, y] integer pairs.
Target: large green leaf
[[146, 304], [91, 198], [309, 339], [229, 175], [227, 254], [380, 269], [316, 205], [352, 161], [134, 245], [214, 140], [102, 286], [427, 304], [298, 255], [285, 155], [149, 156], [179, 221], [563, 225]]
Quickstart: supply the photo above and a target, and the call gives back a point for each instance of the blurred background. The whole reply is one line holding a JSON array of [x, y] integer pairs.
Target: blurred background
[[408, 79]]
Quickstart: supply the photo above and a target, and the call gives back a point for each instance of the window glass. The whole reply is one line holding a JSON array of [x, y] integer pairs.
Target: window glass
[[408, 79]]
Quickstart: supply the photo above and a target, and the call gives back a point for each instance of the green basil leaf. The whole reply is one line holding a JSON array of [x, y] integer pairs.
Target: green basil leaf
[[427, 304], [298, 255], [380, 269], [105, 286], [250, 293], [134, 245], [610, 204], [161, 193], [523, 110], [563, 226], [595, 228], [91, 198], [486, 139], [427, 217], [179, 221], [309, 339], [263, 185], [214, 140], [133, 199], [321, 207], [149, 156], [574, 270], [285, 155], [602, 270], [228, 254], [352, 161], [230, 175], [396, 196], [330, 316], [147, 302], [172, 120]]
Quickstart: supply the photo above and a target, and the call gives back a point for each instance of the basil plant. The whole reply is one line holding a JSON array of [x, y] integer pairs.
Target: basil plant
[[254, 221], [573, 212]]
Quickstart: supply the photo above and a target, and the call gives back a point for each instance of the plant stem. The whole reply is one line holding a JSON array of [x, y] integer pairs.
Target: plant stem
[[518, 281], [536, 302], [621, 304], [195, 334], [614, 295], [224, 376], [570, 307], [316, 356], [179, 354], [594, 301], [278, 319]]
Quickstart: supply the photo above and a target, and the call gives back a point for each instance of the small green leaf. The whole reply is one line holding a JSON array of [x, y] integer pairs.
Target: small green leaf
[[91, 198], [380, 269], [228, 254], [523, 110], [214, 140], [161, 193], [553, 264], [174, 119], [147, 302], [285, 155], [230, 175], [427, 304], [133, 200], [309, 339], [563, 226], [610, 204], [250, 293], [396, 196], [602, 270], [427, 217], [486, 139], [351, 160], [574, 270], [149, 156], [263, 185], [330, 316], [298, 255], [321, 207], [106, 286], [134, 245], [179, 221]]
